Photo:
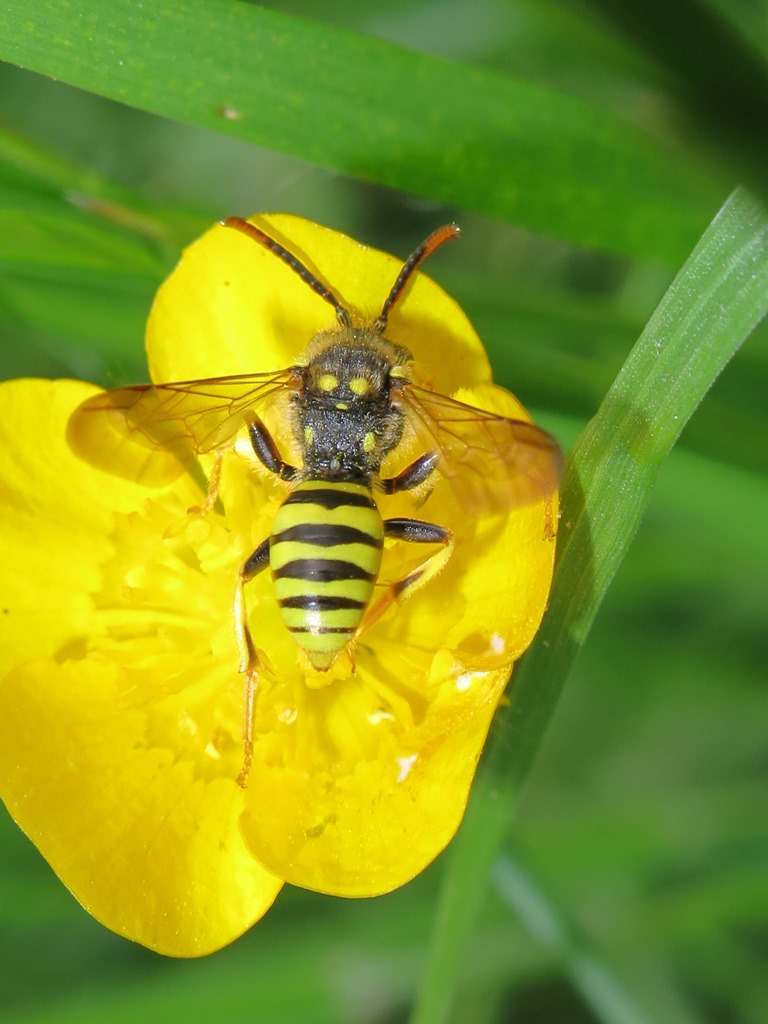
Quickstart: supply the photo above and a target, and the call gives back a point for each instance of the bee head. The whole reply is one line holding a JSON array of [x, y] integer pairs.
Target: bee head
[[351, 368]]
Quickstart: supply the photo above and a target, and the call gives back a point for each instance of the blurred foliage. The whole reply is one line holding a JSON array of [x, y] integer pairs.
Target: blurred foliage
[[584, 151]]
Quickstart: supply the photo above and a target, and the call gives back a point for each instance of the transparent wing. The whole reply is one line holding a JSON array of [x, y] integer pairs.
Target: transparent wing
[[493, 463], [173, 420]]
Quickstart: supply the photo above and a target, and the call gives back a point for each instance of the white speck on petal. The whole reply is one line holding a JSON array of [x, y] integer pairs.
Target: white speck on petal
[[498, 643], [380, 715], [211, 751], [406, 763], [188, 724], [464, 681], [288, 716]]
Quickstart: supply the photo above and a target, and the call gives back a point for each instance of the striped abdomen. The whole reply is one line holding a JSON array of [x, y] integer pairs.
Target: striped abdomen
[[325, 554]]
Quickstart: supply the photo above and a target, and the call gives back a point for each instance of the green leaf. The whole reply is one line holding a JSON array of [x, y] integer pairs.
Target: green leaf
[[33, 177], [717, 299], [455, 133], [65, 242]]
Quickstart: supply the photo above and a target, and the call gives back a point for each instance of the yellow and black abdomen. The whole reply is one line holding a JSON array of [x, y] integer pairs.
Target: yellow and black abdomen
[[325, 555]]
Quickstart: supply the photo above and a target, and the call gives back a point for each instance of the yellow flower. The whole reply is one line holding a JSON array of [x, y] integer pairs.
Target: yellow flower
[[121, 701]]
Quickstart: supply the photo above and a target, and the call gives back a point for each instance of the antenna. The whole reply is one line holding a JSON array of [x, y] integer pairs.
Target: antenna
[[245, 226], [439, 237]]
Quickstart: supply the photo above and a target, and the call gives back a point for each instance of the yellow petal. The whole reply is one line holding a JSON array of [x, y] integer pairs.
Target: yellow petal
[[233, 307], [97, 762], [357, 801], [493, 593], [56, 515], [147, 845]]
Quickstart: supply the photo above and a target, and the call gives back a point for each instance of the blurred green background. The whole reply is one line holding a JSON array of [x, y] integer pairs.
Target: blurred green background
[[643, 833]]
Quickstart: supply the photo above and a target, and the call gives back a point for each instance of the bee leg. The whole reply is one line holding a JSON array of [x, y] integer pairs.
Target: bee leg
[[250, 660], [412, 475], [266, 450], [214, 483], [416, 531], [550, 520]]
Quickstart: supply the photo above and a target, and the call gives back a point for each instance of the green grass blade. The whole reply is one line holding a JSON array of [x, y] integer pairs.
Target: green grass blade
[[590, 971], [464, 135], [720, 75], [29, 172], [716, 300]]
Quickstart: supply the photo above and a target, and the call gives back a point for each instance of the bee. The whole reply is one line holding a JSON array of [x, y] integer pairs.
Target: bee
[[350, 399]]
